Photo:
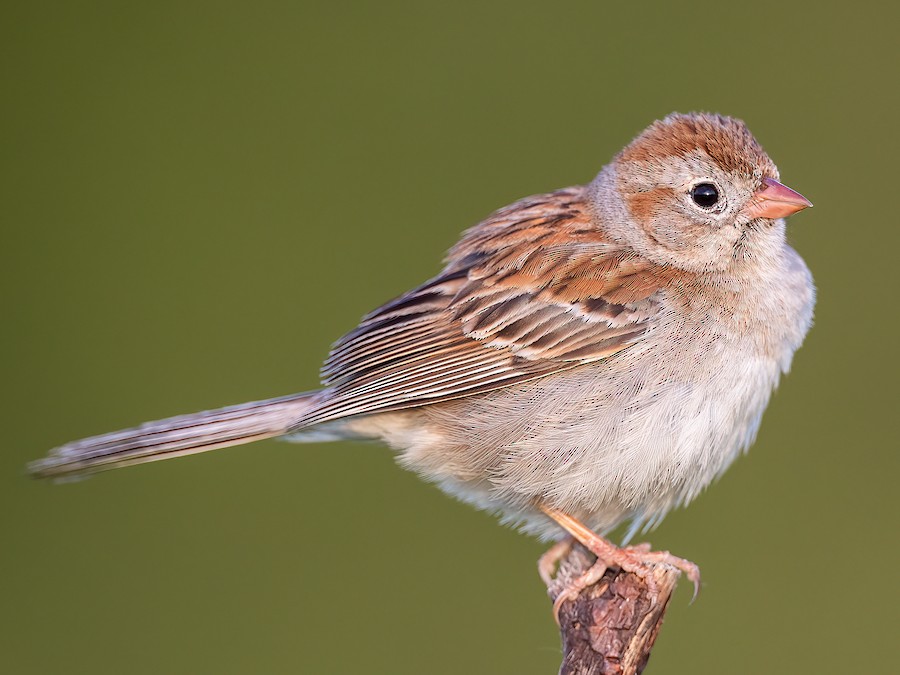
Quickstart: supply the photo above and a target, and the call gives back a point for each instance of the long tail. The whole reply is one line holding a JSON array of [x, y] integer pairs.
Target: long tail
[[175, 437]]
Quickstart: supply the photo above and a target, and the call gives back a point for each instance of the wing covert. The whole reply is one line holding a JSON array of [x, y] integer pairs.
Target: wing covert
[[533, 290]]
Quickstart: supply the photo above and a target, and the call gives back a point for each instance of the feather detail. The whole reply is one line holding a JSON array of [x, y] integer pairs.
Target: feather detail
[[175, 437], [535, 289]]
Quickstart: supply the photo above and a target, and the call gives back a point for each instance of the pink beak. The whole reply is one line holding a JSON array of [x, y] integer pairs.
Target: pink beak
[[775, 200]]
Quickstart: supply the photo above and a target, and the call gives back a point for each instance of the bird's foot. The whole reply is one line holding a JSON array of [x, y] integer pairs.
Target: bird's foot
[[576, 586], [549, 562], [638, 560], [645, 558]]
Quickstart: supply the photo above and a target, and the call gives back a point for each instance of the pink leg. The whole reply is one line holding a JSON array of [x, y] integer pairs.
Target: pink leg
[[634, 559]]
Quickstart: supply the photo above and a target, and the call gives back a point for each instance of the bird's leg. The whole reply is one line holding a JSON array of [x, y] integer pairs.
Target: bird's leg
[[634, 559]]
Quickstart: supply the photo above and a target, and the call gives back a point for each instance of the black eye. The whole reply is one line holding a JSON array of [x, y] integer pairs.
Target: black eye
[[705, 195]]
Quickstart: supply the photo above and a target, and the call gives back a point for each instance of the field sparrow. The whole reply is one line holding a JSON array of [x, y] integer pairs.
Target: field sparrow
[[587, 357]]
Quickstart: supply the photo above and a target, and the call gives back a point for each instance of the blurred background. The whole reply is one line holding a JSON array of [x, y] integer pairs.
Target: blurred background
[[196, 199]]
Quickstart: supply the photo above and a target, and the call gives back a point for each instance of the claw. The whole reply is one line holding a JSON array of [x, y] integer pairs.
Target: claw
[[689, 569], [637, 559], [573, 590], [547, 563]]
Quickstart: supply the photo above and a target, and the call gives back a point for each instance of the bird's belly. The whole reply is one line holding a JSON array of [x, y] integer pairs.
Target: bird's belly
[[629, 439]]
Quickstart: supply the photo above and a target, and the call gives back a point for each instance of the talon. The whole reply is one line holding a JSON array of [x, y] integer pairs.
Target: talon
[[547, 563], [561, 599], [573, 590], [636, 559], [689, 569]]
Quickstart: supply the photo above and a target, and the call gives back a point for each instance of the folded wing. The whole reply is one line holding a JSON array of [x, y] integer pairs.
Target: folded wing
[[536, 289]]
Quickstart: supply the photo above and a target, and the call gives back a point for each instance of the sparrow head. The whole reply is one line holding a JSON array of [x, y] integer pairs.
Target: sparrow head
[[694, 191]]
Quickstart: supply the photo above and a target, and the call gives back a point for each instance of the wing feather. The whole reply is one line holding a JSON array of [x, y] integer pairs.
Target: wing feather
[[535, 289]]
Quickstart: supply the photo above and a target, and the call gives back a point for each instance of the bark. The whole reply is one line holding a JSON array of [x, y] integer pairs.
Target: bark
[[610, 628]]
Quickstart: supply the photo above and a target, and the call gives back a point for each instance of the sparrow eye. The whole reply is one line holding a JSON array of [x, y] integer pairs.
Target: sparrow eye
[[705, 195]]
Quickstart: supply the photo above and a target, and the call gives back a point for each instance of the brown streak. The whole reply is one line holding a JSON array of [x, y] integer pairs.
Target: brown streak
[[727, 141], [519, 285]]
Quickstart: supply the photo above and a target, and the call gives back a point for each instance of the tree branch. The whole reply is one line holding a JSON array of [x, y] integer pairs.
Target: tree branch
[[610, 628]]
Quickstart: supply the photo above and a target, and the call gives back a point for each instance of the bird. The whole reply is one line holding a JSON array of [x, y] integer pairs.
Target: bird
[[587, 358]]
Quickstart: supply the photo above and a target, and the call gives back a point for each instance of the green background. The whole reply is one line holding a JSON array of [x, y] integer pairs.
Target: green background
[[196, 199]]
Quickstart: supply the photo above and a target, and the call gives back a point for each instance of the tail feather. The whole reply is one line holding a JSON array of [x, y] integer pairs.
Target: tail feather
[[175, 437]]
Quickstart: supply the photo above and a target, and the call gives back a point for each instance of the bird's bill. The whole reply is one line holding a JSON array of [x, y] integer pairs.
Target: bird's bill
[[775, 200]]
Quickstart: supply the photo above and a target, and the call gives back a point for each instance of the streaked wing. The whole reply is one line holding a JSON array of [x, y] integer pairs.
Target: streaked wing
[[533, 290]]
